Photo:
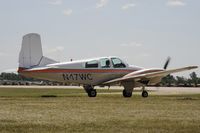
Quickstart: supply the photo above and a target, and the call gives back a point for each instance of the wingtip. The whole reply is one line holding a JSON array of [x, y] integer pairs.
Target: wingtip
[[193, 67]]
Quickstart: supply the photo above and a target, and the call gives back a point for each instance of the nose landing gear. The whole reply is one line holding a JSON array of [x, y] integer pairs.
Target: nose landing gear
[[144, 92]]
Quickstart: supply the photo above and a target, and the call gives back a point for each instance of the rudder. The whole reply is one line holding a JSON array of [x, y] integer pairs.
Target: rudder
[[31, 52]]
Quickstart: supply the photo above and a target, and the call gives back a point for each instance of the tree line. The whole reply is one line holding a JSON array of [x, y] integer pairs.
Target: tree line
[[169, 80], [14, 77]]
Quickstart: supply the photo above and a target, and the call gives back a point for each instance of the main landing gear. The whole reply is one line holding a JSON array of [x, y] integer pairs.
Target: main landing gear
[[128, 89], [90, 91], [127, 92]]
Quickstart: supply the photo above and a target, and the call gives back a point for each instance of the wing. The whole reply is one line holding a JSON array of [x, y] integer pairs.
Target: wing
[[148, 76]]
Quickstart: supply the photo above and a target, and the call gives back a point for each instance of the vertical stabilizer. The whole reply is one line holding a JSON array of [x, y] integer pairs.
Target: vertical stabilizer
[[31, 52]]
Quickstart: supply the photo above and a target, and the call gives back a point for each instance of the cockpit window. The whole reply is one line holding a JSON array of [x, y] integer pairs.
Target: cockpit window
[[105, 63], [91, 64], [117, 63]]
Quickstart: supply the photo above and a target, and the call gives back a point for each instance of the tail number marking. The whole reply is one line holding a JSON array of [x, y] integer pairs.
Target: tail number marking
[[75, 76]]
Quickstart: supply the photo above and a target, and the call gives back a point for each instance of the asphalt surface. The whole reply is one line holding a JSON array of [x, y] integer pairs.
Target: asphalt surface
[[152, 90]]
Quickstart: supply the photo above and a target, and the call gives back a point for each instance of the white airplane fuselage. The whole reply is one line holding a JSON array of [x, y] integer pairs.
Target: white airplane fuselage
[[76, 72]]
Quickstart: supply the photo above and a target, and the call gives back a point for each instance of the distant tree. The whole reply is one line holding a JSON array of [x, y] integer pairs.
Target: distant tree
[[14, 76], [181, 81], [194, 78], [189, 82], [168, 80]]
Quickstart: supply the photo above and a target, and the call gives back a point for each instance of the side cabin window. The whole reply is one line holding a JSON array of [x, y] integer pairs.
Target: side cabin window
[[117, 63], [104, 63], [91, 64]]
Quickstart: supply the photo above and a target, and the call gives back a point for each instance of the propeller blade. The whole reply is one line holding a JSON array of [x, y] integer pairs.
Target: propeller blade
[[167, 63]]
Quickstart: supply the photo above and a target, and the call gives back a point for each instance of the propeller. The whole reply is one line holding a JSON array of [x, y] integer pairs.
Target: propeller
[[167, 63]]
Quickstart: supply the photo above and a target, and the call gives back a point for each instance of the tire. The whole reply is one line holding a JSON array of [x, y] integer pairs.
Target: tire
[[92, 93], [127, 94], [145, 94]]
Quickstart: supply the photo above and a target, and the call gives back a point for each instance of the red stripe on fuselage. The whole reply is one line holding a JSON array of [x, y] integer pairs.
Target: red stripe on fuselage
[[21, 70]]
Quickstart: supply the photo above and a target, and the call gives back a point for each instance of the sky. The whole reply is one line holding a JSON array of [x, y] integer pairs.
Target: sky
[[143, 32]]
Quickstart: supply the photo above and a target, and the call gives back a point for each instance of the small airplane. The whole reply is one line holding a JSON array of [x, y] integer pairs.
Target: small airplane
[[103, 71]]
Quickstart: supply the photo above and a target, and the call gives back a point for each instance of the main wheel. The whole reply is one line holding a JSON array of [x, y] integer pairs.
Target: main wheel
[[127, 94], [92, 93], [144, 94]]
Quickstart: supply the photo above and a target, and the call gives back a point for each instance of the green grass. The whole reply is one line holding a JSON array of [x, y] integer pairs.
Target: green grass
[[25, 110]]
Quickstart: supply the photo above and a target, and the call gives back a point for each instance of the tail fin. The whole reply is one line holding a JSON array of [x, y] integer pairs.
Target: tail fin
[[31, 52]]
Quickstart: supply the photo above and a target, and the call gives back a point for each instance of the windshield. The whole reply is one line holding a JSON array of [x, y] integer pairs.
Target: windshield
[[117, 63]]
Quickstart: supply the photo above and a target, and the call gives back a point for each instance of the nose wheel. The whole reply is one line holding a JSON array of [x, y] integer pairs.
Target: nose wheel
[[144, 92]]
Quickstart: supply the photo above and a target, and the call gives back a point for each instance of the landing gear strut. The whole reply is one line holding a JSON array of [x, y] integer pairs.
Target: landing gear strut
[[144, 92], [90, 91]]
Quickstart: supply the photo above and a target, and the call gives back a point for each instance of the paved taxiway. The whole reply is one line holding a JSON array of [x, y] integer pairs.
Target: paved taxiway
[[152, 90]]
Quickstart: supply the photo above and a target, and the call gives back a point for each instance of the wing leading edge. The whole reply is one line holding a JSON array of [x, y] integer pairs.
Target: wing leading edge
[[148, 76]]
